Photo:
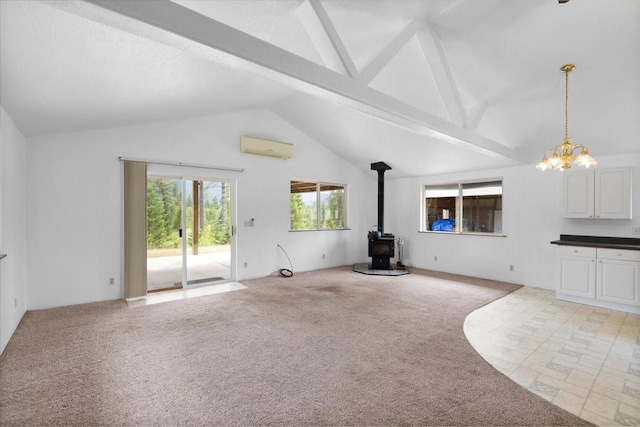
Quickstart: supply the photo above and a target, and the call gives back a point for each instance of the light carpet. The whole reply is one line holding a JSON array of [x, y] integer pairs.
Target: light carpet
[[328, 347]]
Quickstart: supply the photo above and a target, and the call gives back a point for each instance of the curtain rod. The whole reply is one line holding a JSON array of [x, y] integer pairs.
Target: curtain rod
[[221, 168]]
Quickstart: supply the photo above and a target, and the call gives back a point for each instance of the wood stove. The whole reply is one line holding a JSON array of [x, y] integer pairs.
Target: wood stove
[[381, 250], [381, 244]]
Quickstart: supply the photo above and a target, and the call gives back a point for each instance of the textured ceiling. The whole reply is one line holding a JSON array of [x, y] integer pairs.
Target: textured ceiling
[[430, 86]]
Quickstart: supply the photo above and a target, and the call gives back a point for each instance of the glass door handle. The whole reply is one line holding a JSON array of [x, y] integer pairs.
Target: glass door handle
[[180, 232]]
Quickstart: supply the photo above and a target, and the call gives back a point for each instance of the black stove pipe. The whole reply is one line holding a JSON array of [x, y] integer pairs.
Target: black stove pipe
[[381, 167]]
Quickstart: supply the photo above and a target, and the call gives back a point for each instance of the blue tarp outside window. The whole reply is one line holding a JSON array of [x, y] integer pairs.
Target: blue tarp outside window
[[444, 225]]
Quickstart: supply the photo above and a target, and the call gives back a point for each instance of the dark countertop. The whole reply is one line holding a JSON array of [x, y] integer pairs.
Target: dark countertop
[[599, 242]]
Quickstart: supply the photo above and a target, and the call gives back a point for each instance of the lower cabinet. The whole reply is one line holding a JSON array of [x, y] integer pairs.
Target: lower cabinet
[[607, 278], [577, 271], [618, 276]]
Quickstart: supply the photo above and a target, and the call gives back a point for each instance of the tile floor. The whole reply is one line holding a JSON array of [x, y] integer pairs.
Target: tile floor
[[584, 359]]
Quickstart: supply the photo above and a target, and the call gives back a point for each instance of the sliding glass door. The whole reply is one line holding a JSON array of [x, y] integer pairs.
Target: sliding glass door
[[164, 233], [208, 237], [188, 232]]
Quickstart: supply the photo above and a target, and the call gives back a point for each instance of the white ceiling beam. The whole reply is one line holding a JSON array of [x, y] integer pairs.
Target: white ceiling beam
[[319, 37], [436, 57], [476, 115], [446, 7], [391, 50], [179, 27], [322, 24]]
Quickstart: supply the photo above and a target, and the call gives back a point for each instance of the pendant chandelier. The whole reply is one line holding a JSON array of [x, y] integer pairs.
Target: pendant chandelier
[[561, 156]]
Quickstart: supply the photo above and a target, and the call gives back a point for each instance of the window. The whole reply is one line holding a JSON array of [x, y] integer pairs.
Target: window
[[468, 207], [317, 206]]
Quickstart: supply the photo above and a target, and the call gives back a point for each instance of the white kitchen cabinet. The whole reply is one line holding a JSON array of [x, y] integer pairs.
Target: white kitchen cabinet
[[577, 271], [603, 277], [578, 189], [600, 193], [618, 276]]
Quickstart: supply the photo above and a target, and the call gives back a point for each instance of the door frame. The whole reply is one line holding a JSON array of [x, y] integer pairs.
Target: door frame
[[173, 172]]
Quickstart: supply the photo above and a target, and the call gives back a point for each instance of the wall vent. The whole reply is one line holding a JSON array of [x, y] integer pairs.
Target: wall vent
[[265, 147]]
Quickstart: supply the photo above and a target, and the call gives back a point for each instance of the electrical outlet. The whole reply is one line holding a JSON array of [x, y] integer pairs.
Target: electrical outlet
[[15, 303], [245, 265], [635, 231], [112, 281], [435, 258], [322, 256], [512, 268]]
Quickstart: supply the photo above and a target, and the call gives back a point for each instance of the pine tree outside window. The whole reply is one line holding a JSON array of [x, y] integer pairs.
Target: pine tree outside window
[[317, 206]]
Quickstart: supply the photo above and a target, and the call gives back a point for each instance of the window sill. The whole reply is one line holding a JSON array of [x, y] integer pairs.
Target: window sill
[[319, 229], [464, 234]]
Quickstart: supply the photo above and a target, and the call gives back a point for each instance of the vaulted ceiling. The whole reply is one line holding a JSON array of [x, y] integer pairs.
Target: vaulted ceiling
[[428, 86]]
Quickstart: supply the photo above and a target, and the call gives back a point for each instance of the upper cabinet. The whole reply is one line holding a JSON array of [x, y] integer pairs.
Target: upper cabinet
[[599, 193], [579, 194]]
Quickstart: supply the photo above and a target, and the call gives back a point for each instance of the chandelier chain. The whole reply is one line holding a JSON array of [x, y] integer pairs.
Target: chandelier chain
[[566, 104]]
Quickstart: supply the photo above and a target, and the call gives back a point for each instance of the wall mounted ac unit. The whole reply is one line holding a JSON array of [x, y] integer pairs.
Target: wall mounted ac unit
[[265, 147]]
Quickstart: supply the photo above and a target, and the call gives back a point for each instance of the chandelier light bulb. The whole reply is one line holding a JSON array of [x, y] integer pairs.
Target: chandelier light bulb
[[555, 160], [544, 163]]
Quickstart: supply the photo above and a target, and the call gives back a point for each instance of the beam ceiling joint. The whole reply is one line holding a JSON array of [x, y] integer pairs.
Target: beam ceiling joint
[[329, 32], [436, 57], [391, 50]]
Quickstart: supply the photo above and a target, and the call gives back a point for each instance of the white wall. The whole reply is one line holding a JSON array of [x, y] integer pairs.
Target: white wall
[[13, 228], [532, 217], [75, 187], [74, 238]]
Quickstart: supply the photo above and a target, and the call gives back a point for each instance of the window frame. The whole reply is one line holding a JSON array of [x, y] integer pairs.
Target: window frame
[[318, 192], [459, 210]]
